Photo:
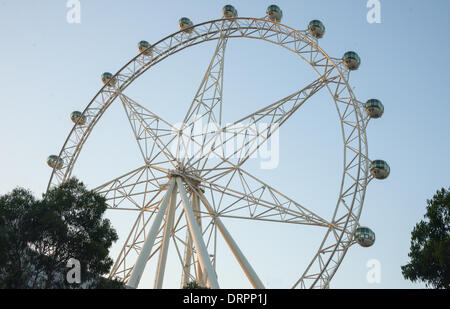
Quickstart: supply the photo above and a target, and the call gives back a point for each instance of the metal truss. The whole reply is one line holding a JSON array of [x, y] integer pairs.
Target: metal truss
[[181, 196]]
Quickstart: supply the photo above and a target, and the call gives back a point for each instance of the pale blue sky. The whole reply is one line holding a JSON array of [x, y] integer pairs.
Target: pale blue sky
[[50, 68]]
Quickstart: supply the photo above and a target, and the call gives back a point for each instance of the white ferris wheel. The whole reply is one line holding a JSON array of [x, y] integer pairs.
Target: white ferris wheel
[[182, 197]]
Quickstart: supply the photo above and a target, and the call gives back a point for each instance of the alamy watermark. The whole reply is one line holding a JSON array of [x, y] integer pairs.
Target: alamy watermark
[[74, 11], [373, 276], [236, 141], [74, 274], [374, 14]]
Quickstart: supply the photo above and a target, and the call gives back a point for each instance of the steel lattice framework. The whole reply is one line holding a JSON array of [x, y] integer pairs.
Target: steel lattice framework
[[183, 197]]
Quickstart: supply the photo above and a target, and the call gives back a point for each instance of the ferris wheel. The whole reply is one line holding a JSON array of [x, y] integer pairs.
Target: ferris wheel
[[188, 183]]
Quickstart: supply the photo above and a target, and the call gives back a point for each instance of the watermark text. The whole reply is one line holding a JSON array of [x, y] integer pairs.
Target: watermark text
[[74, 11], [374, 14]]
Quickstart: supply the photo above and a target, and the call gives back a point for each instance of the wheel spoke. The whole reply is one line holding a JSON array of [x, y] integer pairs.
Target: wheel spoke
[[238, 194], [207, 103], [254, 130], [150, 130], [138, 189], [206, 108]]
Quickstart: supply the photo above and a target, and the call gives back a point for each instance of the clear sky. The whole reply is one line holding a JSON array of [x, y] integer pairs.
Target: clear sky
[[50, 68]]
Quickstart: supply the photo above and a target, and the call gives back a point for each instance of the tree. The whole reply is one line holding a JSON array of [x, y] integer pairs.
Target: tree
[[39, 237], [430, 245]]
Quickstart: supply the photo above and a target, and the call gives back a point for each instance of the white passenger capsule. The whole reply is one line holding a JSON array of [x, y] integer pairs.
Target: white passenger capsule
[[107, 79], [365, 237], [78, 118], [55, 162], [229, 11], [145, 48], [316, 29], [374, 108], [274, 13], [185, 24], [380, 169], [351, 60]]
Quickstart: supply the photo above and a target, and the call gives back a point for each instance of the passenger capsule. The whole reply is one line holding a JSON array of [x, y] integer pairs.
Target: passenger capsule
[[185, 24], [365, 237], [374, 108], [145, 48], [55, 162], [274, 13], [380, 169], [316, 29], [229, 11], [78, 118], [107, 79], [351, 60]]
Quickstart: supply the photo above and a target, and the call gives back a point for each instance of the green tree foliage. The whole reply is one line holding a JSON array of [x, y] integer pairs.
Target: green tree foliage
[[430, 245], [39, 237]]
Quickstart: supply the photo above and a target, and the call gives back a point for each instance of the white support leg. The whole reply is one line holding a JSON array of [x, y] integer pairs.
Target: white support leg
[[195, 202], [187, 260], [138, 269], [165, 242], [200, 246], [188, 251], [242, 260]]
